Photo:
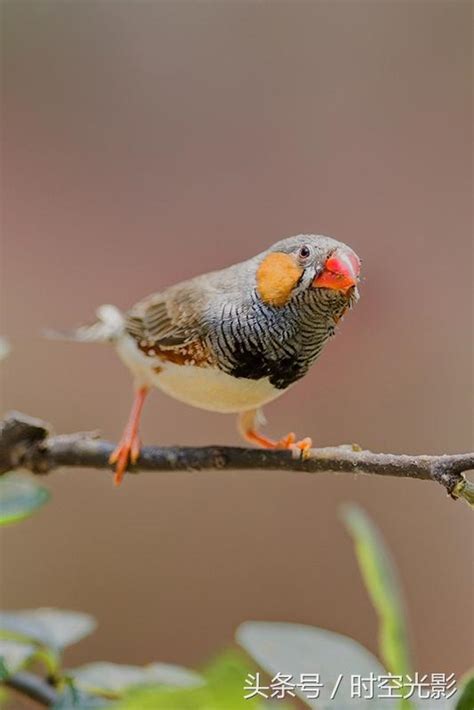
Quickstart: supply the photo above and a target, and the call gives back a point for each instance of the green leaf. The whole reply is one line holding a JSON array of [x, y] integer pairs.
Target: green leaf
[[20, 497], [382, 583], [466, 699], [293, 649], [13, 656], [223, 690], [113, 679], [226, 677], [50, 627]]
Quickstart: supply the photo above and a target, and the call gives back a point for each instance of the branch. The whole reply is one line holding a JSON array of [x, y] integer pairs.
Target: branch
[[27, 443], [33, 687]]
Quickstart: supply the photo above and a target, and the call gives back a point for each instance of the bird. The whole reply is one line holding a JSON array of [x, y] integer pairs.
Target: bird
[[232, 340]]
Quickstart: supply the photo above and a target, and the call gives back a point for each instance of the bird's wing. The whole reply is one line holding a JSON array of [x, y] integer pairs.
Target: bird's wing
[[181, 318], [171, 319]]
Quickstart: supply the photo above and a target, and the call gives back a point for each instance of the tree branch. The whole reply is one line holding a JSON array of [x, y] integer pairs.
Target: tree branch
[[27, 443]]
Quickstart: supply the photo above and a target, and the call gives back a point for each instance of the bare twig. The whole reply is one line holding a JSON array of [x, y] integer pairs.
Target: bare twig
[[27, 443]]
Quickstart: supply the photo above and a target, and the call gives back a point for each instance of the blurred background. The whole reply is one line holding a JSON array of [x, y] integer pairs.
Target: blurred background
[[145, 142]]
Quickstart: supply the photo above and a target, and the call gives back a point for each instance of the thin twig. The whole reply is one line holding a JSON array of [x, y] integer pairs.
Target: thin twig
[[26, 443]]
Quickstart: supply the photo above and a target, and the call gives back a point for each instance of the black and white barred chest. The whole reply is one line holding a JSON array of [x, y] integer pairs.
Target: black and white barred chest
[[255, 341]]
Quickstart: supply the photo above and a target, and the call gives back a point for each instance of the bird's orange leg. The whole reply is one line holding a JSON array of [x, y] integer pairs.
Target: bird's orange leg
[[248, 423], [128, 448]]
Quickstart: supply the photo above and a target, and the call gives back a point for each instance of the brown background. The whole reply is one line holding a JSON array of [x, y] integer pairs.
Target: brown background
[[147, 142]]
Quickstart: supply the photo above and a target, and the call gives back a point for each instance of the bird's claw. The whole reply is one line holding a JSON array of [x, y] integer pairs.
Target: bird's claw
[[300, 447], [127, 452]]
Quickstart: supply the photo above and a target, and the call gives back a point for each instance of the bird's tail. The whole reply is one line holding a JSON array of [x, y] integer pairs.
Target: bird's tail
[[108, 327]]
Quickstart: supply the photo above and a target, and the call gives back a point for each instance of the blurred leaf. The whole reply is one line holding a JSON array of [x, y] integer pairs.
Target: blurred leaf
[[382, 583], [466, 699], [226, 678], [51, 627], [19, 497], [434, 703], [294, 649], [113, 679], [174, 676], [224, 690], [50, 658], [13, 655], [73, 699], [463, 699]]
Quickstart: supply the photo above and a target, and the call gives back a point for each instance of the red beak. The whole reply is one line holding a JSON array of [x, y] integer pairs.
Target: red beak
[[341, 271]]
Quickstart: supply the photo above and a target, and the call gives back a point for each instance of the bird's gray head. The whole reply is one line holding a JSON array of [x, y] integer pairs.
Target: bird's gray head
[[307, 263]]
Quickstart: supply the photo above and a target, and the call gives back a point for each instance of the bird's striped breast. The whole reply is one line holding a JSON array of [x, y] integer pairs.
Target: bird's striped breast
[[255, 341]]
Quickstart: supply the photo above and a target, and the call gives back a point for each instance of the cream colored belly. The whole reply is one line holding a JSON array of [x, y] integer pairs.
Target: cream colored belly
[[203, 387]]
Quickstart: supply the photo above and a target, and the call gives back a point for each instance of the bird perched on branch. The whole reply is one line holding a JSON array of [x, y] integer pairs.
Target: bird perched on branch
[[235, 339]]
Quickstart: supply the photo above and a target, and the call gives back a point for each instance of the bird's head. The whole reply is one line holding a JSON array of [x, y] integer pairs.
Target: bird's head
[[308, 263]]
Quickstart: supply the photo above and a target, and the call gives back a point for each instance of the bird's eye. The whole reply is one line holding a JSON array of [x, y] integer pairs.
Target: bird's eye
[[304, 252]]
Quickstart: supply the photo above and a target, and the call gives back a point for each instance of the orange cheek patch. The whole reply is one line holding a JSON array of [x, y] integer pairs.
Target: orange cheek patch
[[277, 276]]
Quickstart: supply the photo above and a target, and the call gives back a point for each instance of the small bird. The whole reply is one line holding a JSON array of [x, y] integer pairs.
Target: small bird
[[232, 340]]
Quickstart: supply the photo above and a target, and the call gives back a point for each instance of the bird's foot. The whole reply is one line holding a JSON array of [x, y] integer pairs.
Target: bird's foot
[[127, 451], [248, 424], [287, 442], [301, 447]]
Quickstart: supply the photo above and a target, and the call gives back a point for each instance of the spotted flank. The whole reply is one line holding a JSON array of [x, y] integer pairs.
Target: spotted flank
[[195, 353]]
